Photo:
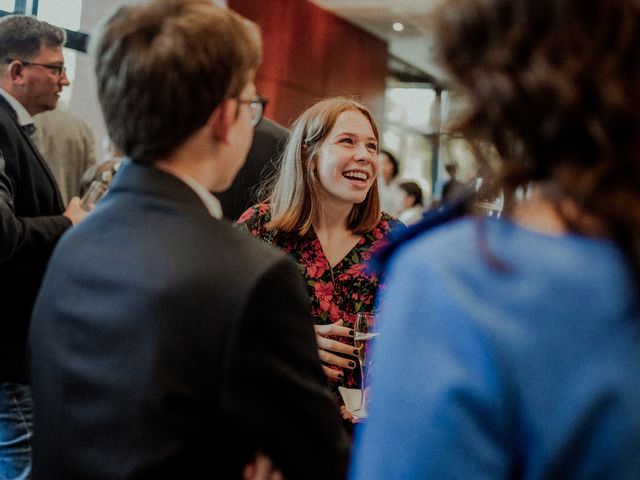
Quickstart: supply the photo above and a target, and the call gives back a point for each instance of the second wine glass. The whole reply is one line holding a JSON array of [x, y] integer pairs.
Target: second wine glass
[[365, 331]]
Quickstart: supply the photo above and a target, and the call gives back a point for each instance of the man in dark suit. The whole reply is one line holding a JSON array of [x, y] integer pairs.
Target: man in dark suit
[[269, 139], [165, 342], [33, 215]]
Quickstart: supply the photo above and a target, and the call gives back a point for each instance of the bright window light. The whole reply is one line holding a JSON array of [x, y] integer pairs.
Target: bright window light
[[411, 107], [61, 13]]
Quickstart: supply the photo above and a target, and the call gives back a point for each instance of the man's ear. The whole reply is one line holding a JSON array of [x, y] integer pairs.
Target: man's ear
[[15, 70], [222, 119]]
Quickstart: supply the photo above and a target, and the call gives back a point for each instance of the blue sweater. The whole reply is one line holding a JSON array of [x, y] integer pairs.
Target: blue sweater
[[527, 371]]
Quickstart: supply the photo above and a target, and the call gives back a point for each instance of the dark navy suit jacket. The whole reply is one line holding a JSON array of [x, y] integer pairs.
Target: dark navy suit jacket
[[167, 343]]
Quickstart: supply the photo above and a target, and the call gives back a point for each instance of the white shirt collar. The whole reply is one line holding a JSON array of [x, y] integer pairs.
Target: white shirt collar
[[209, 200], [23, 116]]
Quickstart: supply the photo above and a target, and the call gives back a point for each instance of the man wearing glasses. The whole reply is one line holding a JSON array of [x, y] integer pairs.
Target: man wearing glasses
[[32, 215], [166, 343]]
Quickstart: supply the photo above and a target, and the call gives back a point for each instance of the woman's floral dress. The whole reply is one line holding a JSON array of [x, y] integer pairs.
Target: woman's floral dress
[[338, 292]]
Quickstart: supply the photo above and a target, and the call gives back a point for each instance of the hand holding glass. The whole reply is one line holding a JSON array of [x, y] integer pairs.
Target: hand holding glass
[[96, 191], [98, 188]]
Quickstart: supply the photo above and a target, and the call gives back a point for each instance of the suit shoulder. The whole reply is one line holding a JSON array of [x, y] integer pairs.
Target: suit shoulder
[[7, 124], [248, 250], [271, 129]]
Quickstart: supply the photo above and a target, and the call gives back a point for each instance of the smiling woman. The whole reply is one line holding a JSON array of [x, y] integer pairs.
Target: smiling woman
[[323, 208]]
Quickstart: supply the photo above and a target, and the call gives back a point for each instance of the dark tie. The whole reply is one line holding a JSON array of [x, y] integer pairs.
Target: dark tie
[[29, 128]]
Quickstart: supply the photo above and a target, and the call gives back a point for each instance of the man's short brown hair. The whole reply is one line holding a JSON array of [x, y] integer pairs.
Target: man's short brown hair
[[164, 66], [22, 36]]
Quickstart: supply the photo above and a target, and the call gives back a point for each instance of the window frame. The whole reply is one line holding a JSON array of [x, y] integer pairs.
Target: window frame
[[76, 39]]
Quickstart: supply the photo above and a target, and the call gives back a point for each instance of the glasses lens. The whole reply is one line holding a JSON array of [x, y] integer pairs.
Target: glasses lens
[[256, 112]]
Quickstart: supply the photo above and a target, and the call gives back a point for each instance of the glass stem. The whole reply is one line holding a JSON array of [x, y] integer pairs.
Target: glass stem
[[363, 386]]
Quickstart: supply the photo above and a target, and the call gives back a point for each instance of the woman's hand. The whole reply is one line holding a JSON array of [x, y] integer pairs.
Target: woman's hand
[[327, 349], [261, 468], [347, 416]]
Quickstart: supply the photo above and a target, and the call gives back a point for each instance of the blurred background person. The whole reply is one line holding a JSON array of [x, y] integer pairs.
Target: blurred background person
[[262, 161], [323, 208], [510, 348], [412, 206], [390, 193], [453, 189], [68, 146], [164, 342]]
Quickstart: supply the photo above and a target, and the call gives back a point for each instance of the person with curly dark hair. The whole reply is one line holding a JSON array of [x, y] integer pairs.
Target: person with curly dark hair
[[519, 355]]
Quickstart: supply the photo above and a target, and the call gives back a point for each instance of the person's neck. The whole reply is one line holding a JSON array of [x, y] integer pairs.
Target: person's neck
[[194, 161], [335, 238], [19, 97], [542, 214], [8, 88], [334, 217], [177, 165]]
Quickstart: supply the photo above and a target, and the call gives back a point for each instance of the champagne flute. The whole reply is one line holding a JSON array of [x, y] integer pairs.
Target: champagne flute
[[98, 188], [364, 331]]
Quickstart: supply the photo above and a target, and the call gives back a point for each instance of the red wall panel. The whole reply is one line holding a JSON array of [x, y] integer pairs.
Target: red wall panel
[[309, 54]]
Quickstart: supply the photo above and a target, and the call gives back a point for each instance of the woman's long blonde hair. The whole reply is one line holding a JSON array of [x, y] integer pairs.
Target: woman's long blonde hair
[[294, 191]]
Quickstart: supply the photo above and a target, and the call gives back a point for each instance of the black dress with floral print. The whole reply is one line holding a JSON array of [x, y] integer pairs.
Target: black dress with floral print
[[338, 292]]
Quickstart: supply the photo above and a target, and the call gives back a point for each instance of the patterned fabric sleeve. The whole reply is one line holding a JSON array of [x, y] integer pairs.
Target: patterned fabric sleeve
[[393, 223], [253, 220], [388, 225]]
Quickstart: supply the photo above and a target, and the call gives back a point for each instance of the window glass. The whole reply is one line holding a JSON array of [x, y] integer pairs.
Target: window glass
[[7, 5], [411, 107], [62, 13], [411, 120], [454, 108], [413, 149]]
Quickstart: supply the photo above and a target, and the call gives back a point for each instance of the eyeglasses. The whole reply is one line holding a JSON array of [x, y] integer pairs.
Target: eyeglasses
[[58, 70], [256, 108]]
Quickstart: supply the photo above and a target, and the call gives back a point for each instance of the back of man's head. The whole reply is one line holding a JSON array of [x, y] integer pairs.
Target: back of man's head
[[164, 66], [21, 37]]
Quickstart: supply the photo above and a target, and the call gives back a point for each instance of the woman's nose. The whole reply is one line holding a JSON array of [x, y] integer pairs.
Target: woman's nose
[[362, 152]]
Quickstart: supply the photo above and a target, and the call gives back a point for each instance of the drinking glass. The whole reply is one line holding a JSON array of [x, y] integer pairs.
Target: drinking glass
[[364, 332], [100, 186], [96, 191]]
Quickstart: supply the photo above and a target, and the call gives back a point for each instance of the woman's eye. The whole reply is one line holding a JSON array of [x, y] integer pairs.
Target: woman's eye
[[372, 146], [346, 140]]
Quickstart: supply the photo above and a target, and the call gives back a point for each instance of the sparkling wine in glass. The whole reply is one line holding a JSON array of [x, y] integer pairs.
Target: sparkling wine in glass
[[364, 332]]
